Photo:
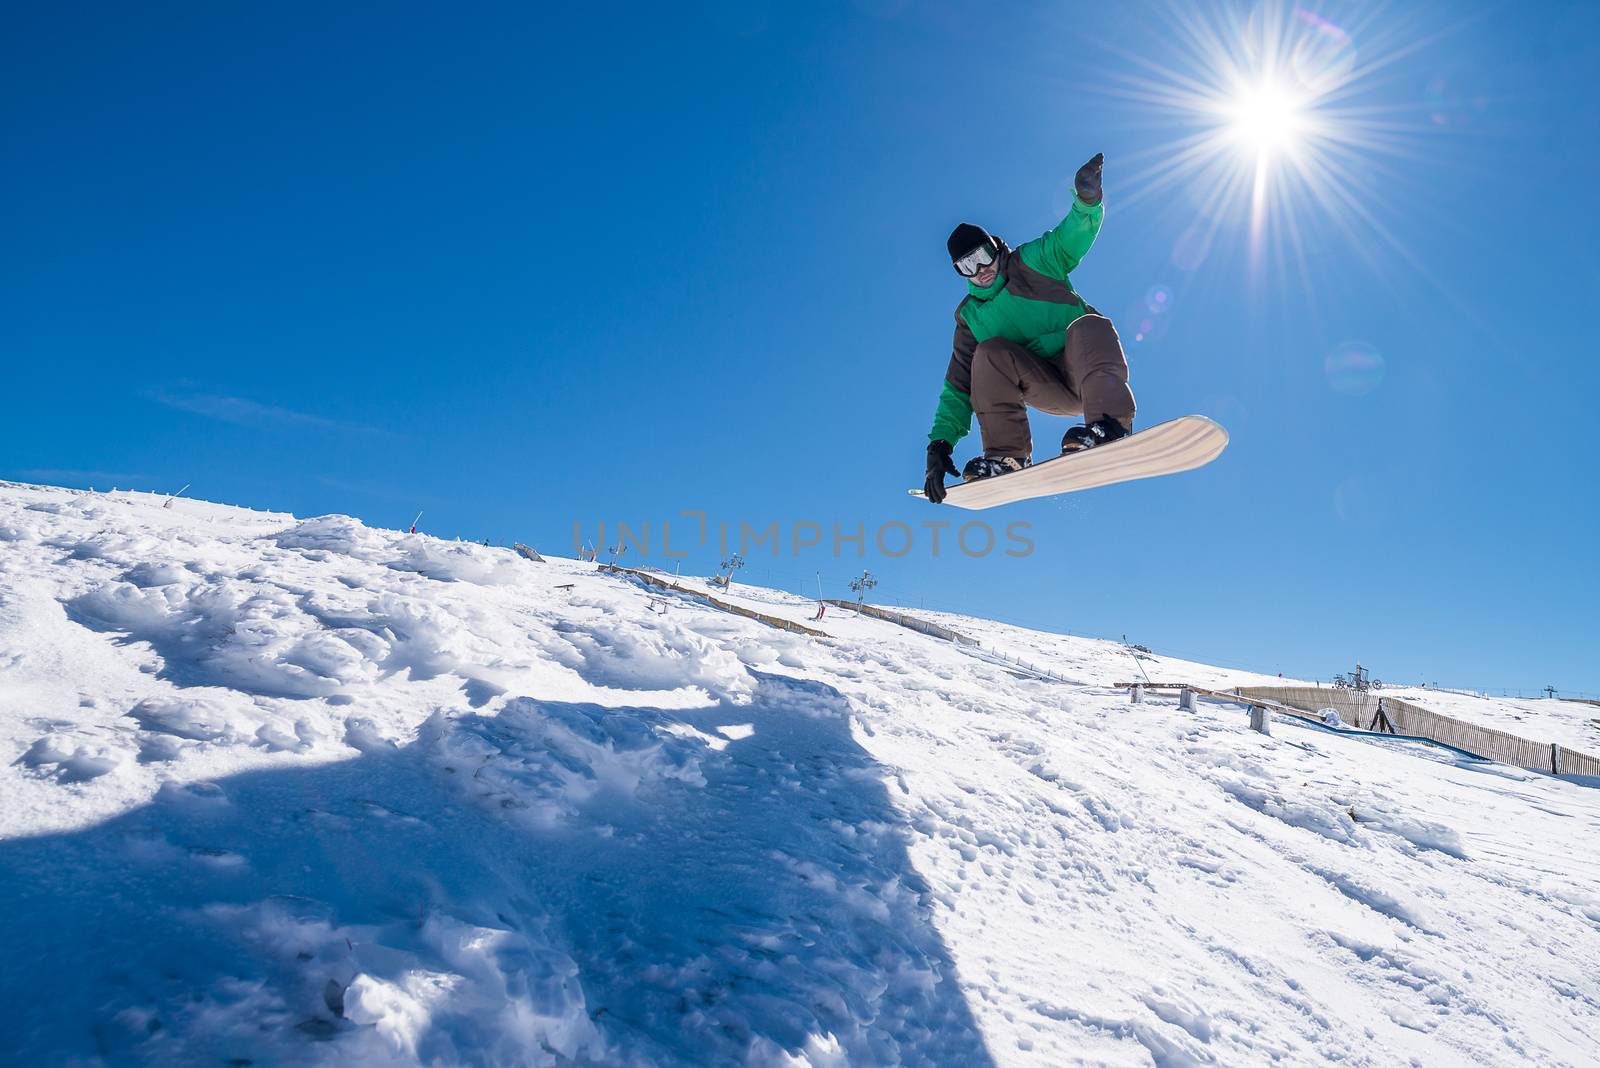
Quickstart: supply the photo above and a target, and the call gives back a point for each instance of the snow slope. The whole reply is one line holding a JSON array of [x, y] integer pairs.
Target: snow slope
[[304, 792]]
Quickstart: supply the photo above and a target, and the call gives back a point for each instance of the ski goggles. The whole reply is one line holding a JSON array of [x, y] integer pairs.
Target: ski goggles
[[975, 261]]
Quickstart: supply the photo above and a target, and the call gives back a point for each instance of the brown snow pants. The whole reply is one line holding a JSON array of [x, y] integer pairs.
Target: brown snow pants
[[1089, 378]]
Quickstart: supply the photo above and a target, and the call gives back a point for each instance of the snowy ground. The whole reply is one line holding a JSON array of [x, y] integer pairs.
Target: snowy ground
[[302, 792]]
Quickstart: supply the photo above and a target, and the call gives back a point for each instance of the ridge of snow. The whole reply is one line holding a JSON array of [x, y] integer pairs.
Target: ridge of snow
[[286, 791]]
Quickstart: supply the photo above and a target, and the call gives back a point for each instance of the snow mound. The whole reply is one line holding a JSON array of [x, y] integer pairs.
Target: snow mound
[[339, 535], [235, 633], [548, 762], [336, 535]]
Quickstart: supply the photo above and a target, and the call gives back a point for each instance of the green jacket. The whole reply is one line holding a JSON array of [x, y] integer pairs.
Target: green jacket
[[1031, 303]]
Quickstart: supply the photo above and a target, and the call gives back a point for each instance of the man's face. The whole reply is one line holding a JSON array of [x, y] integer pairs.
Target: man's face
[[982, 275]]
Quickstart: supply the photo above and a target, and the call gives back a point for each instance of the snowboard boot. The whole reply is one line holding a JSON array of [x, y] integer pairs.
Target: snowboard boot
[[987, 467], [1099, 432]]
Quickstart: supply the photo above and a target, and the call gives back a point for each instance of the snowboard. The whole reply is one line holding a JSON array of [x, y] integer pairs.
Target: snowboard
[[1165, 449]]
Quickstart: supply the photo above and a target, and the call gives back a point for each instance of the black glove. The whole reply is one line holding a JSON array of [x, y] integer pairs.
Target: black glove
[[939, 465], [1087, 182]]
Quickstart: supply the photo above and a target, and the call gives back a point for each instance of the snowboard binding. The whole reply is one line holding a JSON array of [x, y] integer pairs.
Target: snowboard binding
[[1100, 432], [989, 466]]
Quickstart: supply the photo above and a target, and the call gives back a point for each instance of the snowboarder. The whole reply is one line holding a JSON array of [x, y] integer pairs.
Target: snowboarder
[[1024, 338]]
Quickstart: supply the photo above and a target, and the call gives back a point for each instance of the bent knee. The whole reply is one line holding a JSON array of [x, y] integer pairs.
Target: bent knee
[[994, 350], [1093, 329], [1092, 342]]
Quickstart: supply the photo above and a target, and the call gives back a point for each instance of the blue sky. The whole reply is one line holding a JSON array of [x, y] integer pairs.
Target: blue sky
[[520, 268]]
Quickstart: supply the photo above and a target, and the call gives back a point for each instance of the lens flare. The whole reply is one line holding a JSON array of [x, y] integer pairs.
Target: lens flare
[[1359, 502], [1323, 56], [1354, 369], [1192, 247], [1150, 326]]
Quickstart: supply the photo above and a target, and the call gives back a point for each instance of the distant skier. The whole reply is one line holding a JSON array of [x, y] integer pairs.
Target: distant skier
[[1025, 339]]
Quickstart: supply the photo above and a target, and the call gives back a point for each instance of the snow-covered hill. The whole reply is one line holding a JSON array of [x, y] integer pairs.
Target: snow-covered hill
[[303, 792]]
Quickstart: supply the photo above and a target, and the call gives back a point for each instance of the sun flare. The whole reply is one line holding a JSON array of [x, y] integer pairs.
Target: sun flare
[[1265, 118], [1271, 119]]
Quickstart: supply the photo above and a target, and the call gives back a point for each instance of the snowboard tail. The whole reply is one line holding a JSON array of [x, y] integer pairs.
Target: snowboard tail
[[1165, 449]]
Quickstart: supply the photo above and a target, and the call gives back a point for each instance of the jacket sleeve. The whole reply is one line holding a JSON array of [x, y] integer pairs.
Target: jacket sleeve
[[1060, 250], [953, 419]]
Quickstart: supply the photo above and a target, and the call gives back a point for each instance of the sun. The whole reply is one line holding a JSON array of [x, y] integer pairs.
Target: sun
[[1272, 114], [1265, 119]]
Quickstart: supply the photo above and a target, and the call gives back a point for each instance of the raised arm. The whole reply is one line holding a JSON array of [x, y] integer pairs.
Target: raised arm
[[1060, 250]]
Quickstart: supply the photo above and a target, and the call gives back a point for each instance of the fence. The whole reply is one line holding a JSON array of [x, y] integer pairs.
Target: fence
[[922, 626], [715, 602], [1361, 709], [911, 622], [1012, 663]]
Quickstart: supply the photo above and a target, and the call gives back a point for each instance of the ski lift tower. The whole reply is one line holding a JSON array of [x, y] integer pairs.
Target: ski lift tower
[[860, 586], [729, 566]]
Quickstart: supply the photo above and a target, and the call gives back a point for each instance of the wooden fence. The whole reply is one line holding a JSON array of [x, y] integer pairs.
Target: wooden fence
[[922, 626], [715, 602], [1361, 709], [1358, 707]]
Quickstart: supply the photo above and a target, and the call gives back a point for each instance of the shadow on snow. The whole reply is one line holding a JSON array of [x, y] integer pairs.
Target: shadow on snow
[[508, 888]]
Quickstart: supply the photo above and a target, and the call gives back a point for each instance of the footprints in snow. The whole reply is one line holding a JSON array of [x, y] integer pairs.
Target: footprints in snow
[[57, 757], [166, 729]]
